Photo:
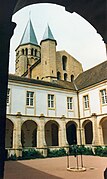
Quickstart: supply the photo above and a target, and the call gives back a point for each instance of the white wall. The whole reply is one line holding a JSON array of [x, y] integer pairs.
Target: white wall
[[94, 101], [18, 100]]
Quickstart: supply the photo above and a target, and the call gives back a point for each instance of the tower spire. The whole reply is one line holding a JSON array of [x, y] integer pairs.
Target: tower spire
[[29, 34], [48, 34]]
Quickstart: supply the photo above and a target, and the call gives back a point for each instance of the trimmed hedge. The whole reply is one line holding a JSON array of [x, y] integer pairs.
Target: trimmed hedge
[[73, 150], [27, 154], [56, 153], [101, 151], [78, 150], [31, 154]]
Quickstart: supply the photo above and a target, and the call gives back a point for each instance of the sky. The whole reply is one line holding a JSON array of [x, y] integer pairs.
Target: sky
[[72, 33]]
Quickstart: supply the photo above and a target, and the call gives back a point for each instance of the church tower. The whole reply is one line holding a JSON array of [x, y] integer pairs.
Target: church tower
[[48, 56], [28, 51]]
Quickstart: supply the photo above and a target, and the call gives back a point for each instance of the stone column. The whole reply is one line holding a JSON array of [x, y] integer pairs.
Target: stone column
[[62, 136], [95, 130], [6, 32], [100, 133], [17, 136], [41, 143]]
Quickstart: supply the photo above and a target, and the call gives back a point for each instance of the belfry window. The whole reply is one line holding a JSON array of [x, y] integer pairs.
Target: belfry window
[[72, 78], [22, 51], [58, 75], [26, 51], [64, 62], [32, 51], [65, 76], [35, 52]]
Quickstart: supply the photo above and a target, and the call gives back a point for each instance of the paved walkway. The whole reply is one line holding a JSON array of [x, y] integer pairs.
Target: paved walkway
[[55, 168]]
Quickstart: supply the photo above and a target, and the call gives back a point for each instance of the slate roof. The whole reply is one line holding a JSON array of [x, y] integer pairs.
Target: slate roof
[[29, 35], [56, 83], [92, 76], [48, 34]]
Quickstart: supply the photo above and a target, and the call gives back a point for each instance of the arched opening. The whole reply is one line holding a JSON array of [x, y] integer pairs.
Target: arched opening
[[9, 134], [35, 52], [72, 78], [26, 51], [71, 132], [104, 130], [64, 62], [51, 133], [32, 51], [65, 76], [29, 134], [58, 75], [88, 131], [22, 51]]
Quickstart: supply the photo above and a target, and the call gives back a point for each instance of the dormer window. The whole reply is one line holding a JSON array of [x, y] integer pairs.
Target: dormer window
[[64, 62]]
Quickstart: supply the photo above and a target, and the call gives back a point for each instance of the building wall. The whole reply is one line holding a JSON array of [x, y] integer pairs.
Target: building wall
[[18, 101], [95, 105], [73, 67]]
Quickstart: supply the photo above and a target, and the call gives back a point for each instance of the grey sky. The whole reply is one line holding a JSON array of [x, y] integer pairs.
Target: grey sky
[[72, 33]]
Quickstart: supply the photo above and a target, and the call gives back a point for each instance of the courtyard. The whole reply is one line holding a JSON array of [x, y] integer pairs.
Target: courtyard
[[55, 168]]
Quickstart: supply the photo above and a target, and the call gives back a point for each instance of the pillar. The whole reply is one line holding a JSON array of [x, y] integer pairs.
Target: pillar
[[17, 136], [41, 143], [6, 32], [95, 130], [63, 137]]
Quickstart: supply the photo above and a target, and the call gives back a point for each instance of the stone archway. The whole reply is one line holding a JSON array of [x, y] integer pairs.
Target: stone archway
[[71, 131], [88, 132], [103, 125], [9, 134], [52, 133], [29, 134]]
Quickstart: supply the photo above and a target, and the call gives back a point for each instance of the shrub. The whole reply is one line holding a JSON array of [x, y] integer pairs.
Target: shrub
[[78, 150], [12, 157], [31, 154], [56, 153], [101, 151]]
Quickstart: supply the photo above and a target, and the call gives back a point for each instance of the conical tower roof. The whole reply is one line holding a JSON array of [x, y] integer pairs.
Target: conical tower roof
[[29, 35], [48, 34]]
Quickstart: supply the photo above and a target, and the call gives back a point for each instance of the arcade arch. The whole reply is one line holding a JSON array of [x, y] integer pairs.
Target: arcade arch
[[52, 133], [9, 134], [88, 131], [71, 131], [103, 124], [29, 134]]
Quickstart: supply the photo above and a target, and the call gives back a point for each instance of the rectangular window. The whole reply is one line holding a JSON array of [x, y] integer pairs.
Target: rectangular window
[[51, 101], [103, 96], [8, 96], [86, 102], [69, 102], [29, 98]]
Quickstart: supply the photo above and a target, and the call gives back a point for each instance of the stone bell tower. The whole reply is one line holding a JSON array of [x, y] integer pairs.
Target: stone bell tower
[[48, 56], [28, 51]]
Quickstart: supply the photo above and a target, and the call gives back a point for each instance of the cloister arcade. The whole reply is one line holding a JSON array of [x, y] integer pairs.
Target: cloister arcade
[[52, 133]]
